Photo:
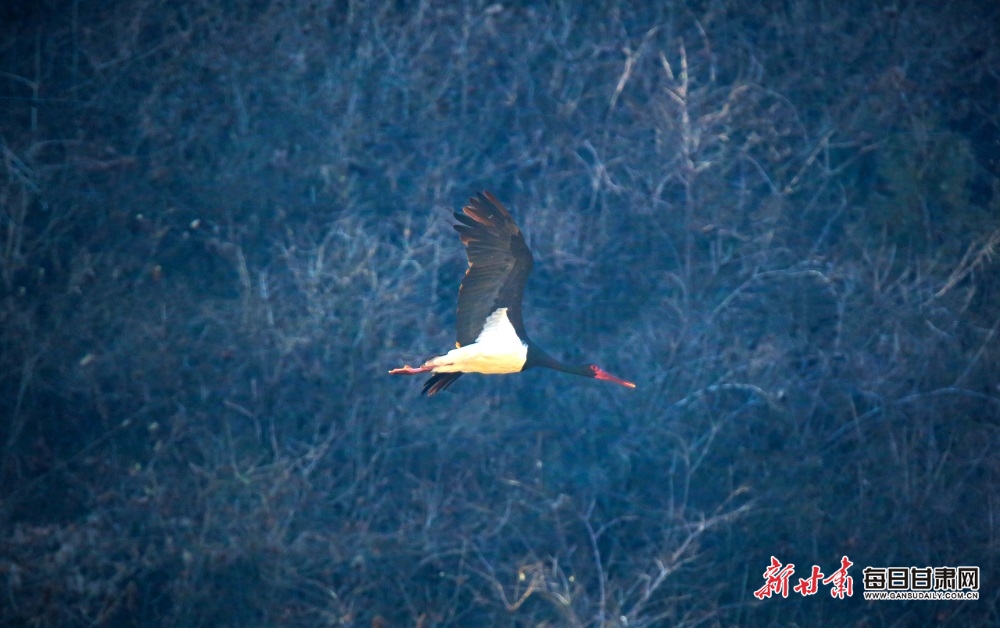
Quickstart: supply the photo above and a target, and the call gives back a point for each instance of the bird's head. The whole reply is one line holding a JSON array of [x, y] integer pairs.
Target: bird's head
[[598, 373]]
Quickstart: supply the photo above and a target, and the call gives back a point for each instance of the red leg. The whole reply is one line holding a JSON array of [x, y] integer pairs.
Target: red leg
[[409, 370]]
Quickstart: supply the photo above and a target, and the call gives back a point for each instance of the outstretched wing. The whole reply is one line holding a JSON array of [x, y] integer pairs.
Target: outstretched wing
[[499, 265]]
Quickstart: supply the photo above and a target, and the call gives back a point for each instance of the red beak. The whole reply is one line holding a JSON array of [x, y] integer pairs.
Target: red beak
[[608, 377]]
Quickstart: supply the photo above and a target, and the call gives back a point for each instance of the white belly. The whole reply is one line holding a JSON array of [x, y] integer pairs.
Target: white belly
[[497, 350], [479, 358]]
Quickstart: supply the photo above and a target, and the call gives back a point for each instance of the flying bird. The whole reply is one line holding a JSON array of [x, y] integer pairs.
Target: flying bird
[[491, 335]]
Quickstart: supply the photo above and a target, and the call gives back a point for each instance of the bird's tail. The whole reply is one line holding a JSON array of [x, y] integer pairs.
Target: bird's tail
[[438, 382]]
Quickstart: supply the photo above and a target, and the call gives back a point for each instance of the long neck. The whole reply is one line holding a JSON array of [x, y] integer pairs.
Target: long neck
[[538, 357]]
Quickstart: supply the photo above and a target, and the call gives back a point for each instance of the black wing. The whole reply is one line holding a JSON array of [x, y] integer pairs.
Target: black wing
[[499, 264]]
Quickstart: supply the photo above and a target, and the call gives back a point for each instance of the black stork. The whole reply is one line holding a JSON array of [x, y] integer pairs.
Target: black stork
[[491, 336]]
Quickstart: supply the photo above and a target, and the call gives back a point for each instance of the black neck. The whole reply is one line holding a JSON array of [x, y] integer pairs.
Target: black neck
[[537, 357]]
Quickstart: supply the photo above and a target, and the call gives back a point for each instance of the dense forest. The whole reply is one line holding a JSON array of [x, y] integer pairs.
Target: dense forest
[[221, 223]]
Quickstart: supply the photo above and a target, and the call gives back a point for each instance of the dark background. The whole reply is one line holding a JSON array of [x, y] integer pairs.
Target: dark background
[[221, 223]]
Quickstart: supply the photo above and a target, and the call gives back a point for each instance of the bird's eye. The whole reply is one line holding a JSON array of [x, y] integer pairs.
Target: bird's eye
[[593, 368]]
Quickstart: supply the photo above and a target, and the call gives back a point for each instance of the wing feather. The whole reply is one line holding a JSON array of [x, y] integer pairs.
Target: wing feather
[[499, 265]]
